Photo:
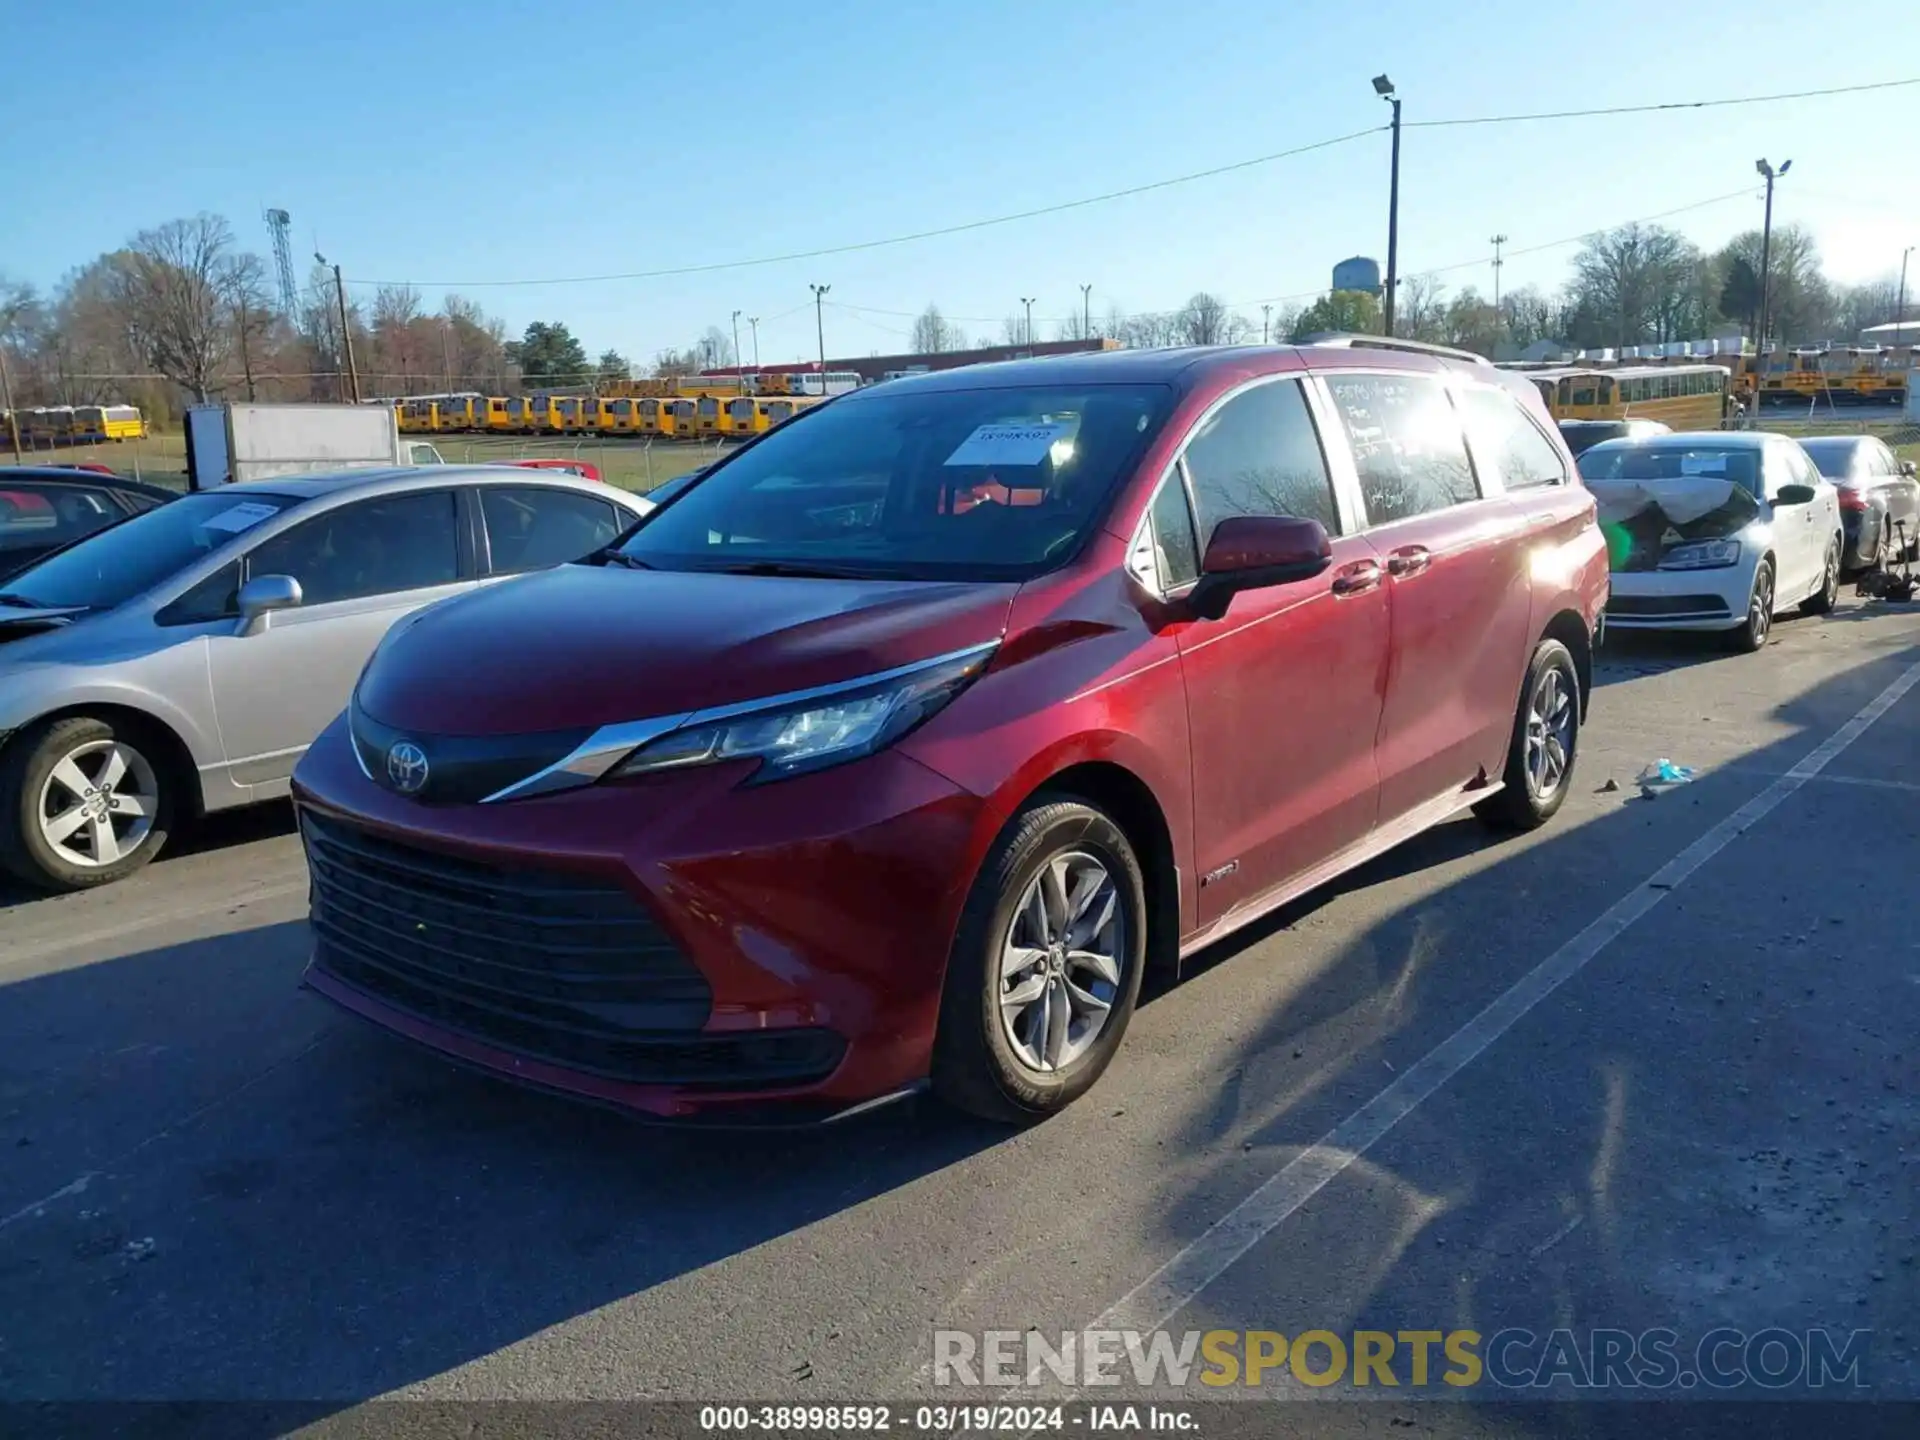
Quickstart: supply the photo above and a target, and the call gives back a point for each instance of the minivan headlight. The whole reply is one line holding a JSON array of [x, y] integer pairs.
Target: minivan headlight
[[1701, 555], [830, 728]]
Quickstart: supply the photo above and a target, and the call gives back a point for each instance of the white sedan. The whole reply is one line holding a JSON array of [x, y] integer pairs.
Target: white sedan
[[1715, 531]]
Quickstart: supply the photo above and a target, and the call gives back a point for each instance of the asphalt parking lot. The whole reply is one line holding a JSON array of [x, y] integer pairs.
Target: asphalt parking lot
[[1651, 1066]]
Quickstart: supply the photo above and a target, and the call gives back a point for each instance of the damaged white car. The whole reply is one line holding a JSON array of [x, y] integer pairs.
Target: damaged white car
[[1714, 531]]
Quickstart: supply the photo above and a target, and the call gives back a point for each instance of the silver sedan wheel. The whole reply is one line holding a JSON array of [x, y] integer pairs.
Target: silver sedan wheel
[[1550, 722], [98, 803], [1060, 962]]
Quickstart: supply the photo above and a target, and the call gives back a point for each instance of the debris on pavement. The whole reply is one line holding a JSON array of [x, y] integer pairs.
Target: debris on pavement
[[1661, 776]]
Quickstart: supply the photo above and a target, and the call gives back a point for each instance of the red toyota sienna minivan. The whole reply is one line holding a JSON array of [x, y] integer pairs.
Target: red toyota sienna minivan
[[893, 750]]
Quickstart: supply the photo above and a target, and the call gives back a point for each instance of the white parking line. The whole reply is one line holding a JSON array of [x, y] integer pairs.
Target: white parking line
[[1176, 1284]]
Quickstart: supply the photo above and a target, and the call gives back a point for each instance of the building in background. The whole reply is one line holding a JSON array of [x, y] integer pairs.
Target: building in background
[[1358, 273], [882, 367]]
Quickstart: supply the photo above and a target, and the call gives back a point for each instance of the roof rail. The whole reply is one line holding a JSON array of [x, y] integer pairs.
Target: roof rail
[[1344, 340]]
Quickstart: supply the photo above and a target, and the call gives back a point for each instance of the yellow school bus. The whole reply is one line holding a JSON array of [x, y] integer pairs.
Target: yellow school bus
[[453, 413], [574, 413], [108, 422], [621, 415], [1683, 397], [682, 416], [419, 417], [490, 414], [742, 417]]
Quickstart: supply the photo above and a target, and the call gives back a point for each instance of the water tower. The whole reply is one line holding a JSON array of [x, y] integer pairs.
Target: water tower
[[1358, 273]]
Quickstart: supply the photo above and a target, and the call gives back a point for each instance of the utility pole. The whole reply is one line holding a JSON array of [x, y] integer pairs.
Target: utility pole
[[753, 323], [1766, 248], [1266, 324], [346, 332], [1086, 312], [736, 342], [1383, 87], [1900, 315], [1497, 242], [446, 352], [1028, 302], [820, 330]]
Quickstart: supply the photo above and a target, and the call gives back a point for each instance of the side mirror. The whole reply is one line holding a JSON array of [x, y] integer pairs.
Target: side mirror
[[1256, 552], [1794, 495], [1909, 469], [261, 596]]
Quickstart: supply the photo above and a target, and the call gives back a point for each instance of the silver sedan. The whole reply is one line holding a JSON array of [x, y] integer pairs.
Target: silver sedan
[[182, 661]]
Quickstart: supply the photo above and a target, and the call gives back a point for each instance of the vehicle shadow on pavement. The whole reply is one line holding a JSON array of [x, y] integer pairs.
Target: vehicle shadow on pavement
[[218, 1187], [1709, 1124]]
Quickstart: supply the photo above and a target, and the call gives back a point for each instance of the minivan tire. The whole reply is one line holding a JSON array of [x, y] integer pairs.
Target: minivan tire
[[978, 1061], [27, 766], [1552, 684]]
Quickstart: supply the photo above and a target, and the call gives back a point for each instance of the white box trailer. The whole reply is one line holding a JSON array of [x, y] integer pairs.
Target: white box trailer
[[231, 443]]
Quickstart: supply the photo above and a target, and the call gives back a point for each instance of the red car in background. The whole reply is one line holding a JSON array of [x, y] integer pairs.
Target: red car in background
[[569, 467], [895, 748]]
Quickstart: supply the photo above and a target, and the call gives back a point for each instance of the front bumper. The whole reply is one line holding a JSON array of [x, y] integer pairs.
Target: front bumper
[[1679, 599], [681, 947]]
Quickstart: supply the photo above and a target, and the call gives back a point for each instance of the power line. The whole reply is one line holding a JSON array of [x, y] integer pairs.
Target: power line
[[1663, 105], [935, 233]]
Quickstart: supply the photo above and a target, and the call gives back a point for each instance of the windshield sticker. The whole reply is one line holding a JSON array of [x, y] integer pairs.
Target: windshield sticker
[[1693, 463], [241, 517], [1008, 444]]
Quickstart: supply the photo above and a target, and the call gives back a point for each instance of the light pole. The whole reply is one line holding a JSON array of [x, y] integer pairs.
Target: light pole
[[1026, 301], [1766, 248], [346, 330], [1383, 87], [820, 330], [1086, 312], [6, 397], [736, 342], [753, 324], [1900, 306]]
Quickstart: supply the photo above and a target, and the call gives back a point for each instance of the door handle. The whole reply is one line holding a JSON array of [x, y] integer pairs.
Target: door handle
[[1408, 560], [1357, 578]]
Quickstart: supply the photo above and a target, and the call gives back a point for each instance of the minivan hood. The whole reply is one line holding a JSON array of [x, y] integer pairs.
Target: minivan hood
[[583, 645]]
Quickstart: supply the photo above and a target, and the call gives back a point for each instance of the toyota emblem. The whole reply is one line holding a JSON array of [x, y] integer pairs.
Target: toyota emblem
[[407, 768]]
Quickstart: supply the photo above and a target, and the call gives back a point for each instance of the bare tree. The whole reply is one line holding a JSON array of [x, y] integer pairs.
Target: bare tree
[[1204, 320], [253, 317], [931, 333], [1528, 317], [1629, 284], [176, 284], [1420, 313], [398, 349], [713, 348]]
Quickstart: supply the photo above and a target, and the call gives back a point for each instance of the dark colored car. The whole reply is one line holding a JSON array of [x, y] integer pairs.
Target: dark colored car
[[1879, 496], [45, 507], [1583, 435], [896, 748]]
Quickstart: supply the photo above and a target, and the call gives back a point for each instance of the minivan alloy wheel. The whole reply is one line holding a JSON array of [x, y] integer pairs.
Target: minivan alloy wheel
[[1550, 724], [98, 803], [1060, 964]]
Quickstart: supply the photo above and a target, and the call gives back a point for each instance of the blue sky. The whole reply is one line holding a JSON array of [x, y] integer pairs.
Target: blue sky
[[492, 142]]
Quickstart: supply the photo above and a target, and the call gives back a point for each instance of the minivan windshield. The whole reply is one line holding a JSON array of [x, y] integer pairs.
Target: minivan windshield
[[113, 566], [988, 484]]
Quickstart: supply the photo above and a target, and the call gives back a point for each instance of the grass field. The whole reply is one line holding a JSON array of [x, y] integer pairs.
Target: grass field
[[632, 464]]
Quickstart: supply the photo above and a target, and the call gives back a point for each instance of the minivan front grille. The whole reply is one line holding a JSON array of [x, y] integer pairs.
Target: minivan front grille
[[550, 966]]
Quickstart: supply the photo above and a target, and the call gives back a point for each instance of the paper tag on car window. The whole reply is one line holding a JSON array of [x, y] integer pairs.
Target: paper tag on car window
[[1714, 465], [1007, 445], [243, 516]]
